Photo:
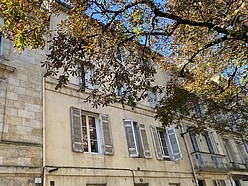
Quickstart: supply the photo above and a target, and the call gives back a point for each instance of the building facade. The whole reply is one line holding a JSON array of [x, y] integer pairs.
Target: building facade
[[53, 137]]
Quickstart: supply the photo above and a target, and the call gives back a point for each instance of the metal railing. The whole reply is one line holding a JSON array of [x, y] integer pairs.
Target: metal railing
[[237, 166], [208, 161]]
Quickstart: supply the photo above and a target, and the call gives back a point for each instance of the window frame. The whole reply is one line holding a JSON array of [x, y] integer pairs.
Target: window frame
[[103, 132], [171, 137], [83, 79], [2, 40], [152, 99], [161, 144], [98, 133]]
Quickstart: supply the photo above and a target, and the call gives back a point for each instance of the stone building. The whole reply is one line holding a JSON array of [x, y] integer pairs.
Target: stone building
[[20, 115]]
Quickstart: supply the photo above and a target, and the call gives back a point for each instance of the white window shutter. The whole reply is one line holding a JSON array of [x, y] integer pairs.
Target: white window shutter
[[175, 152], [106, 132], [156, 143], [228, 182], [76, 130], [144, 141], [130, 135]]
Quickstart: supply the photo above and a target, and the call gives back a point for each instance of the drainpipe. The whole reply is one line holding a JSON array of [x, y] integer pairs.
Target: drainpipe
[[43, 132], [189, 155]]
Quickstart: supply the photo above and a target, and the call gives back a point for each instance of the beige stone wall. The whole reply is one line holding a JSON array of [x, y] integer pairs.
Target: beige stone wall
[[21, 116], [77, 168]]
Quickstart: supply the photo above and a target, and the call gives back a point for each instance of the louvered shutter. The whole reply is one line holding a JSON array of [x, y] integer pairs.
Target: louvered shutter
[[228, 182], [156, 143], [130, 135], [106, 132], [76, 130], [144, 141], [175, 152]]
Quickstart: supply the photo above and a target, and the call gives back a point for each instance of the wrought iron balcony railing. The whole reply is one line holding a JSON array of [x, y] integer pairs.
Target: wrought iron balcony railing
[[208, 161], [237, 166]]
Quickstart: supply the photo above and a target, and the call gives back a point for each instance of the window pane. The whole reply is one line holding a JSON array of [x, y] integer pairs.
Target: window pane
[[85, 136], [94, 145], [93, 135], [163, 141]]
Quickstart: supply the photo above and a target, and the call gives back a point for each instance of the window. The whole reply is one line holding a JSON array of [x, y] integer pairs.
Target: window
[[246, 146], [85, 76], [226, 148], [210, 142], [237, 183], [122, 91], [174, 184], [166, 143], [196, 148], [220, 183], [90, 132], [201, 183], [164, 146], [137, 141], [242, 153], [198, 110], [152, 99], [212, 147], [52, 183], [1, 44]]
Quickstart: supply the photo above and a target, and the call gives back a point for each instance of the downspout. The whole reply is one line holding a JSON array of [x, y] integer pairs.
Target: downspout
[[189, 155], [43, 132], [4, 107]]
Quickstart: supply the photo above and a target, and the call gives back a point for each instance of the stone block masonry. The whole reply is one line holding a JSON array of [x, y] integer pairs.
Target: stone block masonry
[[21, 118]]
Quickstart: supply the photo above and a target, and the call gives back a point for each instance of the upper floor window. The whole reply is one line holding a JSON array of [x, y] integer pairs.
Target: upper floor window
[[137, 141], [166, 143], [90, 132], [85, 76], [152, 99], [1, 44], [211, 144], [196, 148], [198, 110]]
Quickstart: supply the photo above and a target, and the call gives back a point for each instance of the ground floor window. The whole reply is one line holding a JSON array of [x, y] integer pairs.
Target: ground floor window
[[220, 183], [201, 183], [237, 183]]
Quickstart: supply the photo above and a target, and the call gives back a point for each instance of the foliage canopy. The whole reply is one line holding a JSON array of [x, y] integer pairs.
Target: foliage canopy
[[203, 44]]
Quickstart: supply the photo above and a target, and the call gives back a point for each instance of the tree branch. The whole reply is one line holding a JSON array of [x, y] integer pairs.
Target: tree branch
[[238, 34], [217, 41]]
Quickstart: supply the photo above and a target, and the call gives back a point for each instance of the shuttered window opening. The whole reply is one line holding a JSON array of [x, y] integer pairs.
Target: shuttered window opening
[[1, 43], [90, 132], [152, 99], [85, 77], [166, 143], [137, 140]]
